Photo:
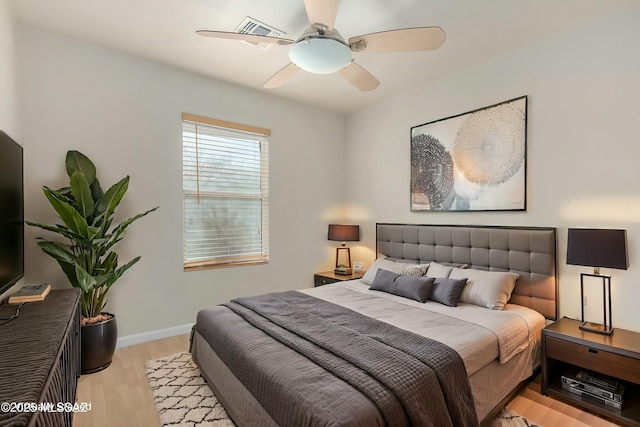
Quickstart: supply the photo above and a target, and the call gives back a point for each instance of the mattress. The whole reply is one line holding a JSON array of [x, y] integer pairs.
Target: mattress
[[499, 349]]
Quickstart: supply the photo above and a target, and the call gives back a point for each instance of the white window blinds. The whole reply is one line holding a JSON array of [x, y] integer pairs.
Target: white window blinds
[[225, 186]]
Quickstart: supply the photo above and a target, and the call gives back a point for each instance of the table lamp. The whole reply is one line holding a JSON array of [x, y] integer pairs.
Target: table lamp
[[597, 248], [343, 233]]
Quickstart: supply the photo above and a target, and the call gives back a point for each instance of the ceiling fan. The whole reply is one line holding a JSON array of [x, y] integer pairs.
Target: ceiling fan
[[322, 50]]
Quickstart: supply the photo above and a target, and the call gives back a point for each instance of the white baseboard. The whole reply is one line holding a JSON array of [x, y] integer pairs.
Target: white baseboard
[[153, 335]]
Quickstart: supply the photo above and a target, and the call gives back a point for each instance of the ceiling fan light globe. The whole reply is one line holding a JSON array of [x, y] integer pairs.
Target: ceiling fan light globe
[[320, 55]]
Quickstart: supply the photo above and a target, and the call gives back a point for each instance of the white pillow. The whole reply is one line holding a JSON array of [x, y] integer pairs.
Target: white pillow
[[370, 274], [396, 267], [438, 270], [491, 289]]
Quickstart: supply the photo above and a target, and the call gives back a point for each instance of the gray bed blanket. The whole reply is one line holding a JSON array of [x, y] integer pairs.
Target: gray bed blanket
[[412, 380]]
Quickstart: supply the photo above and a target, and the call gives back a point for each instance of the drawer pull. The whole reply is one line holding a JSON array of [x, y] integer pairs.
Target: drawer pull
[[593, 350]]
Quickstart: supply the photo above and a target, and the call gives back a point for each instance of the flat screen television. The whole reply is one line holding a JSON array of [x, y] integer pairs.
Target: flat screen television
[[11, 213]]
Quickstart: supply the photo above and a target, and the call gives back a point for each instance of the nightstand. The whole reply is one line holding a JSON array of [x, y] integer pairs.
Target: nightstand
[[327, 277], [566, 347]]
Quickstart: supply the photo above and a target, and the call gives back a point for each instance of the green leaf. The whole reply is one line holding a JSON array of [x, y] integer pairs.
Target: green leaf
[[96, 191], [64, 191], [111, 199], [93, 232], [57, 251], [120, 228], [69, 271], [110, 262], [78, 162], [102, 279], [85, 281], [67, 213], [63, 194], [59, 229], [65, 258], [82, 194], [120, 271]]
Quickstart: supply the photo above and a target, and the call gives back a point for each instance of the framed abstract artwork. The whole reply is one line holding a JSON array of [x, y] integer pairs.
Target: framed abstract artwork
[[475, 161]]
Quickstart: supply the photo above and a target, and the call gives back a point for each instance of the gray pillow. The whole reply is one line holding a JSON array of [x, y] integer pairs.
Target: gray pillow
[[384, 280], [447, 291], [417, 288]]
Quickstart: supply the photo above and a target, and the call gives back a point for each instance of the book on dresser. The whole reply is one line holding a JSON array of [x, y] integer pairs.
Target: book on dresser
[[30, 293], [605, 390]]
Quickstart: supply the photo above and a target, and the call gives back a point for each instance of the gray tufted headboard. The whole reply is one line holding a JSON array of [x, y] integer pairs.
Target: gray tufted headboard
[[528, 251]]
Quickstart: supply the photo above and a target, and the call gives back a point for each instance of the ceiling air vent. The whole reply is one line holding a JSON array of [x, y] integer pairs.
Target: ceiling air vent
[[253, 26]]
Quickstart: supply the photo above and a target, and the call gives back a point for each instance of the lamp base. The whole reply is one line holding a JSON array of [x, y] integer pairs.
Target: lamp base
[[347, 264], [597, 328], [344, 271]]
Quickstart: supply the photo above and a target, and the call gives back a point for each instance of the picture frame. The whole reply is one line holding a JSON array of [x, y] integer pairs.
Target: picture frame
[[474, 161], [358, 267]]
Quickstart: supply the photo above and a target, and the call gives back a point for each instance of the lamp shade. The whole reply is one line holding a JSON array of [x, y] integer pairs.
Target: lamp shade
[[595, 247], [344, 233]]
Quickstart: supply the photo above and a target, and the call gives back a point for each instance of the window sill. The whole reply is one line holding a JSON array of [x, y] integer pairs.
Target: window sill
[[200, 267]]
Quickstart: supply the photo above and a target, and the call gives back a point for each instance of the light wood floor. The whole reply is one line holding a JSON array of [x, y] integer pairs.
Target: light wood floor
[[120, 396]]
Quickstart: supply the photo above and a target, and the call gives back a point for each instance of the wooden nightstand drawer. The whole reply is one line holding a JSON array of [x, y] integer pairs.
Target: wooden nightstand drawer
[[322, 280], [326, 277], [584, 356]]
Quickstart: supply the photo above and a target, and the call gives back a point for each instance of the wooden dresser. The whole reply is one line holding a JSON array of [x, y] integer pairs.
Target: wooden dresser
[[40, 360]]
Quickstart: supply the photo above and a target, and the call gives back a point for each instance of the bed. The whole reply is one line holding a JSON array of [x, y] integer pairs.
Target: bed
[[369, 352]]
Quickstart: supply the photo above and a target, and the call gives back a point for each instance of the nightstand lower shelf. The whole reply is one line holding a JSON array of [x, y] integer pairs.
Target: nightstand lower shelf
[[629, 415]]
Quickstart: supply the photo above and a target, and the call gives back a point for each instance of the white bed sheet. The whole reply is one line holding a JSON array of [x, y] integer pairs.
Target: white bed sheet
[[478, 334]]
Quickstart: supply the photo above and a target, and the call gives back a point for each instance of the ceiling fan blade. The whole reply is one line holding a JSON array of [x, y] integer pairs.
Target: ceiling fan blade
[[359, 77], [282, 76], [251, 38], [403, 40], [322, 12]]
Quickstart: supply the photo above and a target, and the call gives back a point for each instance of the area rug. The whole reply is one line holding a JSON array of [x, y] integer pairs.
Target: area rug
[[507, 418], [184, 399], [181, 395]]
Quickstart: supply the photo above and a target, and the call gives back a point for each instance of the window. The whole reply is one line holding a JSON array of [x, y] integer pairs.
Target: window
[[225, 187]]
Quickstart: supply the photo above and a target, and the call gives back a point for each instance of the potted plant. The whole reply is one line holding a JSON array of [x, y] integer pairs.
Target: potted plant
[[86, 255]]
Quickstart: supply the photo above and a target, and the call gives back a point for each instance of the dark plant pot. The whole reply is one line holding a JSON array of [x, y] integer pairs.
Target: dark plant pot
[[98, 343]]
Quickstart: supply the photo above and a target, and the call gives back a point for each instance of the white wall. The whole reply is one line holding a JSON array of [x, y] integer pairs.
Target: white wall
[[8, 101], [8, 98], [125, 114], [583, 147]]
